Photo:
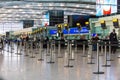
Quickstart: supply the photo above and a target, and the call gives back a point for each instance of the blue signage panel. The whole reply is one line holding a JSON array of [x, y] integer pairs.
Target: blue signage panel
[[84, 30], [53, 32], [76, 31], [72, 31]]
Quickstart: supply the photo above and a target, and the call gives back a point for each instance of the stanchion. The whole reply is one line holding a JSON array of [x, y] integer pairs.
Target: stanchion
[[20, 48], [110, 58], [98, 63], [106, 64], [118, 56], [71, 54], [37, 48], [11, 49], [84, 50], [12, 45], [101, 50], [17, 47], [68, 63], [26, 48], [3, 46], [48, 49], [59, 50], [8, 46], [41, 53], [75, 46], [91, 54], [51, 55], [54, 49], [31, 49]]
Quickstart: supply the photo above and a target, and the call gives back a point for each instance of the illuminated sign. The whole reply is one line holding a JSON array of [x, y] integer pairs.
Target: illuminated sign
[[106, 7], [72, 31]]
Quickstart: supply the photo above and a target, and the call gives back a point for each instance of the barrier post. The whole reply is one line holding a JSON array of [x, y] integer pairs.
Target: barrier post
[[106, 64], [68, 63], [31, 49], [27, 48], [101, 47], [84, 50], [11, 47], [98, 62], [41, 53], [48, 49], [110, 58], [71, 53], [51, 54], [91, 54], [59, 50], [8, 46], [20, 53], [76, 46]]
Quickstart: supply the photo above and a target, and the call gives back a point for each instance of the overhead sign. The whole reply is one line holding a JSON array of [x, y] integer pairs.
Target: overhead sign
[[76, 31], [84, 30], [53, 32]]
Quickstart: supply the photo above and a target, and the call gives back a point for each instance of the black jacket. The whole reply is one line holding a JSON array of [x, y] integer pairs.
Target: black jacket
[[113, 37]]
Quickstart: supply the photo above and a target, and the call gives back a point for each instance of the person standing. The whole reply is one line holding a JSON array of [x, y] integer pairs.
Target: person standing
[[94, 41], [113, 40], [1, 43]]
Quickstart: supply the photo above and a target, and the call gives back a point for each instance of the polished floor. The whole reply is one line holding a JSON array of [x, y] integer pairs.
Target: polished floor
[[20, 67]]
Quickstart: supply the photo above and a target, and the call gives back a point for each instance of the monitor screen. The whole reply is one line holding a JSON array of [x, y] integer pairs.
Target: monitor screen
[[106, 7], [74, 19], [28, 23], [45, 19]]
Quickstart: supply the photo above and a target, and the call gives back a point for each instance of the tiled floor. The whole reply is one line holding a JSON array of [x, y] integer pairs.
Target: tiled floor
[[20, 67]]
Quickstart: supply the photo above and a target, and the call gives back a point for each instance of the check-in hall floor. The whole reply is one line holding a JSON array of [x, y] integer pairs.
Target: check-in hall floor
[[20, 67]]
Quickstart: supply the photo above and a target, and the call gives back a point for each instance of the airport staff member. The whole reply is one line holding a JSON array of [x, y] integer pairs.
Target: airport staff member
[[113, 40]]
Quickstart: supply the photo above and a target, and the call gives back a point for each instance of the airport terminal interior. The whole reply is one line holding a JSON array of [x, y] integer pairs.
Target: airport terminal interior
[[59, 40]]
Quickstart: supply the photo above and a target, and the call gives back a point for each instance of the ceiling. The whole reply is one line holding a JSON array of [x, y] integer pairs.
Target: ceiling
[[33, 9]]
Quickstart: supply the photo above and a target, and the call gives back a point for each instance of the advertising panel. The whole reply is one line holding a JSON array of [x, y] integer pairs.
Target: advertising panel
[[106, 7]]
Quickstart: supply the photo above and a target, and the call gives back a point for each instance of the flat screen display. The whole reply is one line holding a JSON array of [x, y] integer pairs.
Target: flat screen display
[[28, 23], [45, 19], [74, 19], [56, 17], [106, 7]]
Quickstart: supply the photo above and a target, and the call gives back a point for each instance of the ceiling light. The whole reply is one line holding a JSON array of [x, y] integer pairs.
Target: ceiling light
[[15, 6], [62, 4], [20, 10], [27, 6], [40, 4], [9, 11], [77, 5], [50, 4], [87, 6]]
